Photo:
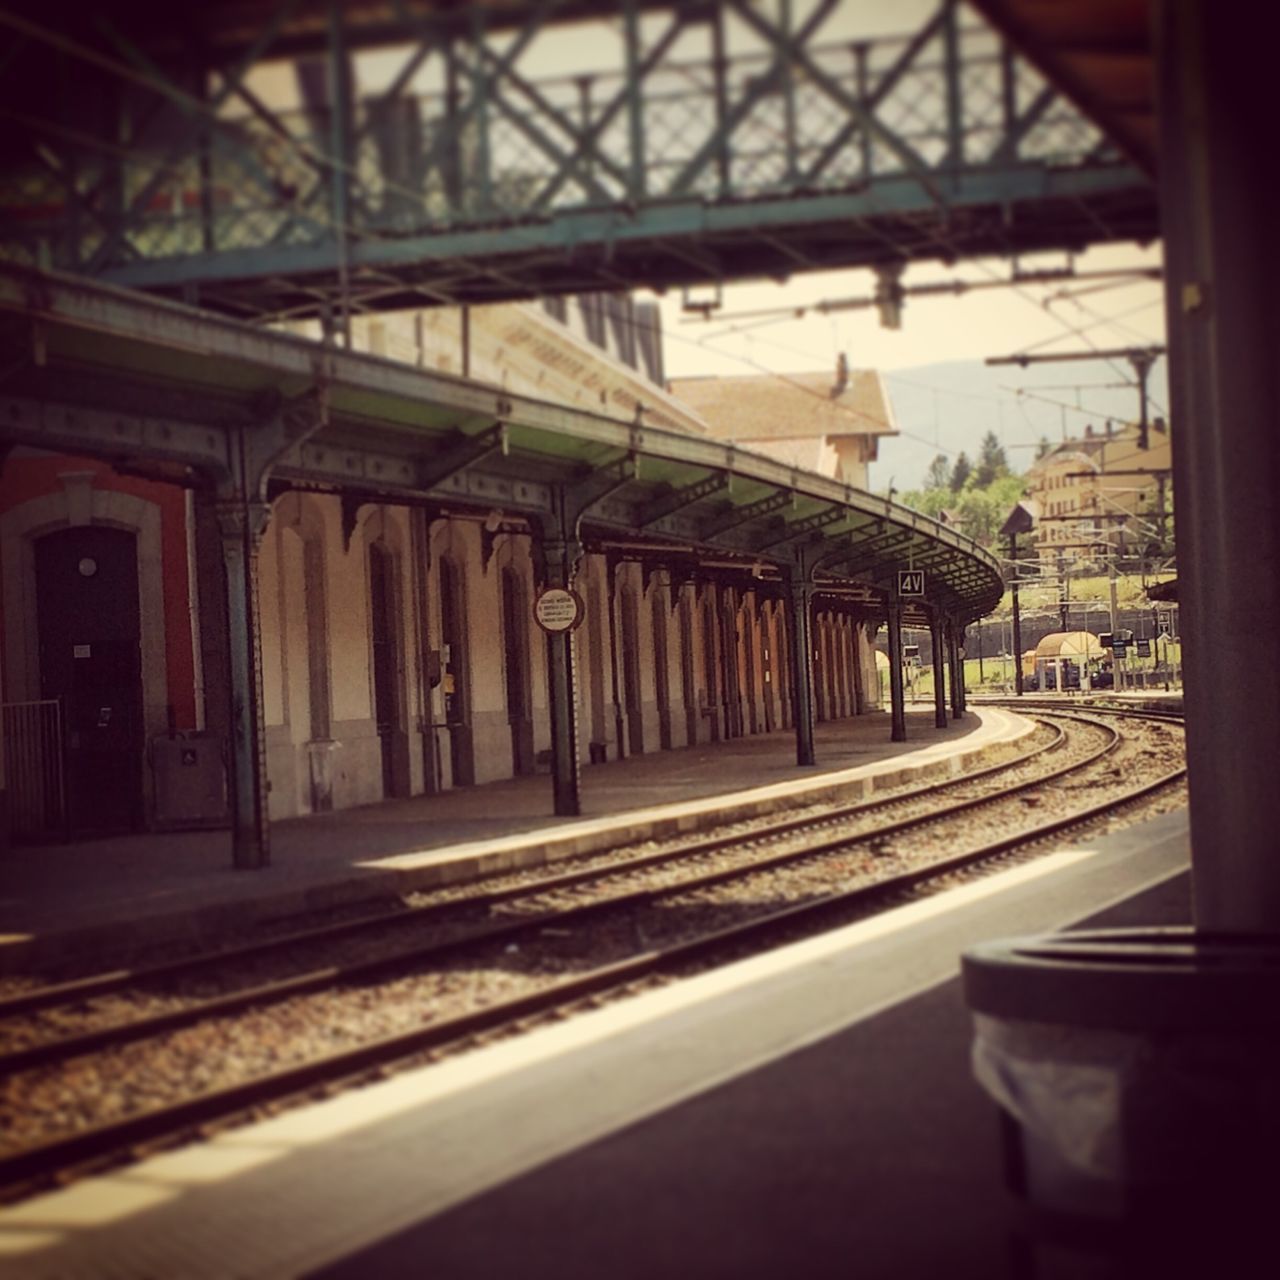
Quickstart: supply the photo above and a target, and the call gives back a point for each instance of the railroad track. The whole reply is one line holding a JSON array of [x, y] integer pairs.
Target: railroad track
[[1081, 702], [577, 949]]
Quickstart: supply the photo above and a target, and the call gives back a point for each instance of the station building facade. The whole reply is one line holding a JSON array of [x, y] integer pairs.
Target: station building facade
[[398, 652]]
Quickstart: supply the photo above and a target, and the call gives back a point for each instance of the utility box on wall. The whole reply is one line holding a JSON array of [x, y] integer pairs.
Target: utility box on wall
[[190, 782]]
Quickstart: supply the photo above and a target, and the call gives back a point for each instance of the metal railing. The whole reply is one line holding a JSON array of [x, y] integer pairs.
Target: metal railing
[[35, 770], [474, 135]]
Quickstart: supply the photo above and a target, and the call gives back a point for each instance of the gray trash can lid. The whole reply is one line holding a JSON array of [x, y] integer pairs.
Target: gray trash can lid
[[1138, 980]]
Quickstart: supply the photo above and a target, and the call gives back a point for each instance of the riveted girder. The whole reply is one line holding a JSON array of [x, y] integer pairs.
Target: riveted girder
[[307, 414], [265, 169]]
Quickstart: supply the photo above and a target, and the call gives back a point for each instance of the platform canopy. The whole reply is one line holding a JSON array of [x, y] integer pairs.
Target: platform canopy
[[176, 393], [1068, 644]]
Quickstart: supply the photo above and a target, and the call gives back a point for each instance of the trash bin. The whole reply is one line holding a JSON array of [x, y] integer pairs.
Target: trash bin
[[1138, 1076]]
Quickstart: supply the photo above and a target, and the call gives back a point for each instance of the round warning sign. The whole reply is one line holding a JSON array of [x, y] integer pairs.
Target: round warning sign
[[557, 609]]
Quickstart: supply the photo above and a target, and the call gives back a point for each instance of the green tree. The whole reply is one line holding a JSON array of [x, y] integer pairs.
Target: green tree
[[960, 472], [939, 474], [992, 463], [928, 502]]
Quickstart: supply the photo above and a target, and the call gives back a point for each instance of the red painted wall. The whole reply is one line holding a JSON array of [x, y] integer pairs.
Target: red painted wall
[[24, 478]]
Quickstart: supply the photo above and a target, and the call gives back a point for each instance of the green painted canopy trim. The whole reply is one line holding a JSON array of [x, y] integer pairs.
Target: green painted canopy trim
[[107, 334]]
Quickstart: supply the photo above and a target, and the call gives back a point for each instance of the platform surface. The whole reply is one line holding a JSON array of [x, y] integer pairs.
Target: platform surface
[[807, 1113], [99, 895]]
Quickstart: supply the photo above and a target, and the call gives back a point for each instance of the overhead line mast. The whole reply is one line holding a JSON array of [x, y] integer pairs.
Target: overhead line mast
[[1141, 358]]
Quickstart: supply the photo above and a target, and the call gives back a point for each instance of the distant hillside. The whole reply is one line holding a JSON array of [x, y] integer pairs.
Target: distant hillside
[[948, 408]]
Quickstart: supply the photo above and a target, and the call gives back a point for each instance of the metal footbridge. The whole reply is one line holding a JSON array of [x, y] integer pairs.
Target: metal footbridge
[[291, 159]]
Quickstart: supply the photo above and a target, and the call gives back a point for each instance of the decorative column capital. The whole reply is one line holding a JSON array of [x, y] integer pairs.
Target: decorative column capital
[[240, 521]]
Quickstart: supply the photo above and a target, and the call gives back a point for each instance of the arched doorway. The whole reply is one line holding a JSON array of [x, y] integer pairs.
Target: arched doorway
[[89, 638], [454, 673], [384, 635], [515, 631], [661, 671], [631, 671], [688, 681], [710, 669]]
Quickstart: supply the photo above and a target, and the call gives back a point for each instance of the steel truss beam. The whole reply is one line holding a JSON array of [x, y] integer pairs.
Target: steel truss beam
[[670, 504], [235, 416], [801, 528], [680, 156], [738, 516]]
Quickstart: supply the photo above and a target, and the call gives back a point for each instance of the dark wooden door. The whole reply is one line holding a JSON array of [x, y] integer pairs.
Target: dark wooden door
[[89, 631]]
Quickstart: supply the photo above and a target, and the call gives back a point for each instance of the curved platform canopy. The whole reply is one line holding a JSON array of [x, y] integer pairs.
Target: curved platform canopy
[[179, 394]]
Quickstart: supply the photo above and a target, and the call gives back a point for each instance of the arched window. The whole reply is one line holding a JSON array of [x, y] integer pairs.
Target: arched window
[[515, 670], [384, 637], [631, 670], [661, 676]]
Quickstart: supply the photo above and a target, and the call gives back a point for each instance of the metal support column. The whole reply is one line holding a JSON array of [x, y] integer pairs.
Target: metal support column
[[242, 513], [611, 596], [558, 545], [560, 556], [340, 166], [897, 701], [800, 599], [939, 666], [242, 524], [1222, 281], [1016, 573], [957, 670]]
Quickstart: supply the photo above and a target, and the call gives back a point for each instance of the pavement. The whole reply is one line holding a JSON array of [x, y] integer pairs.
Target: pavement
[[807, 1112]]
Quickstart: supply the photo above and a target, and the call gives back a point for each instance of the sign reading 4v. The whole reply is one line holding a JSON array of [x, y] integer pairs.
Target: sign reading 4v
[[911, 582]]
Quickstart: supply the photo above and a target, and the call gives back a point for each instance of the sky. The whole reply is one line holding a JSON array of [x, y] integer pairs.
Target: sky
[[974, 326], [937, 413]]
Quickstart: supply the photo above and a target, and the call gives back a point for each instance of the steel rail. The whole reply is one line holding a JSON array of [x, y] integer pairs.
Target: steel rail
[[134, 1029], [1085, 703], [171, 1123], [121, 979]]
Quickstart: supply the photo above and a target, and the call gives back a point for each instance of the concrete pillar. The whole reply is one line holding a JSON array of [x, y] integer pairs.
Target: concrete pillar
[[800, 599], [939, 666], [241, 525], [897, 704], [1222, 292], [4, 786]]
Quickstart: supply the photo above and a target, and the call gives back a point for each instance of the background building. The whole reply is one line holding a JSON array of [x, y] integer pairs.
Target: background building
[[831, 425], [1103, 497]]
